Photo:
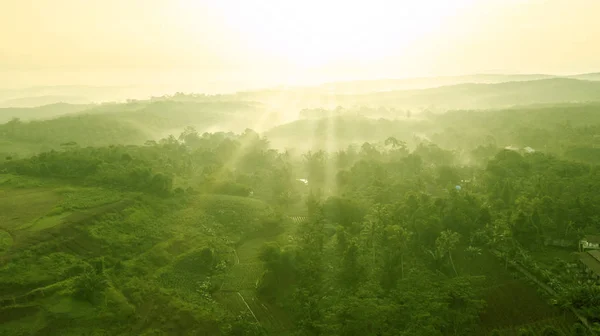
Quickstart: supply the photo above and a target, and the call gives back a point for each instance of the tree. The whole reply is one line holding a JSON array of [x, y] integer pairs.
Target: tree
[[448, 175], [246, 325], [446, 243], [398, 239], [578, 330], [190, 136], [161, 184], [525, 332], [315, 164], [551, 331], [369, 151], [345, 212], [391, 141], [351, 269], [90, 284]]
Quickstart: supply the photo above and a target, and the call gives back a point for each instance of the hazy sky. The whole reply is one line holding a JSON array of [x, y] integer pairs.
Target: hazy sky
[[105, 42]]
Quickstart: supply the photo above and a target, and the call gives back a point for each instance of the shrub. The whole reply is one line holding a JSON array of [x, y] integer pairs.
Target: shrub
[[89, 285], [551, 331]]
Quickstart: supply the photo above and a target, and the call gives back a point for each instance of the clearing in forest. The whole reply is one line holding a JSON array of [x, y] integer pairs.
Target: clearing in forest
[[512, 302]]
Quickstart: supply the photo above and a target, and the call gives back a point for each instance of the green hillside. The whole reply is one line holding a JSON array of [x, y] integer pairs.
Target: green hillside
[[366, 221]]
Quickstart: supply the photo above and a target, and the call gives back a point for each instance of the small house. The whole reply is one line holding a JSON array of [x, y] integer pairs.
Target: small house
[[591, 263], [589, 242]]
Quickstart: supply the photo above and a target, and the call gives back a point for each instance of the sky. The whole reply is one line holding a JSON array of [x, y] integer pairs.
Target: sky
[[201, 43]]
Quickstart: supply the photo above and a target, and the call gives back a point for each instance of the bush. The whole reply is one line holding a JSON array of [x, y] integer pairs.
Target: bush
[[231, 188], [551, 331], [525, 332], [90, 285], [578, 330]]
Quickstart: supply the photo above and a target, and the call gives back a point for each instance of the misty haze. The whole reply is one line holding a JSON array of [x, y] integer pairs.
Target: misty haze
[[300, 168]]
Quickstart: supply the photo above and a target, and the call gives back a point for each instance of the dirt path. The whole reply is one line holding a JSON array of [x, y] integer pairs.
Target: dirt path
[[247, 306]]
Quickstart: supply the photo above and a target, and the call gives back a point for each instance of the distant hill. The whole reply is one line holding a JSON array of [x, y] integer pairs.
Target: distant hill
[[42, 112], [466, 129], [460, 96], [130, 123], [365, 86], [482, 96], [43, 100], [72, 94], [340, 131], [589, 76], [278, 97]]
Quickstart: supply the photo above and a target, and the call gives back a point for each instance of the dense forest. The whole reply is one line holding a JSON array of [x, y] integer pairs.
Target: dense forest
[[212, 215]]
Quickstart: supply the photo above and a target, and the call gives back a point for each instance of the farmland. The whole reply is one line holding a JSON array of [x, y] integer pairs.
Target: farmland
[[512, 302]]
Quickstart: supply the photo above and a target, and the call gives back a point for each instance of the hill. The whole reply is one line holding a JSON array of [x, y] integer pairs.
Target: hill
[[364, 86], [588, 76], [72, 94], [135, 122], [42, 112], [554, 128], [459, 96], [340, 132], [468, 96], [194, 236], [43, 100], [131, 123]]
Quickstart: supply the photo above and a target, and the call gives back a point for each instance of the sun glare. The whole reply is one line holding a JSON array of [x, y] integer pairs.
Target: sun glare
[[315, 33]]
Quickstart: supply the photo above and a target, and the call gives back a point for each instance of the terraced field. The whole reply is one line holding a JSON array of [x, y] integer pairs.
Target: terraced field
[[512, 302], [71, 225], [21, 206], [238, 291], [516, 304]]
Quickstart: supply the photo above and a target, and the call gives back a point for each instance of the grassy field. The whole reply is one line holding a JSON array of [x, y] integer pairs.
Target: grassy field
[[6, 241], [238, 290], [49, 232], [21, 206], [512, 302]]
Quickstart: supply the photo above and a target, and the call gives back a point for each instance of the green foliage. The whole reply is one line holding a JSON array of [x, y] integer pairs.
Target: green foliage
[[243, 326], [102, 166], [6, 242], [90, 285], [382, 243], [231, 188], [241, 214], [344, 212], [551, 331], [578, 330], [525, 332]]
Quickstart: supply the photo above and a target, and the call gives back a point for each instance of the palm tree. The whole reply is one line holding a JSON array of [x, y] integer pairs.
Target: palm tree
[[392, 141], [446, 243]]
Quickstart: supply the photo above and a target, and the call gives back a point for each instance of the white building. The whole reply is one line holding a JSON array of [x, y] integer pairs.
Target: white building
[[589, 243]]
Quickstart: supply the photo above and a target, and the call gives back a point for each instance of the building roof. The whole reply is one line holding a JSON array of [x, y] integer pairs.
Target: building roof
[[592, 239], [590, 261], [595, 254]]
